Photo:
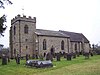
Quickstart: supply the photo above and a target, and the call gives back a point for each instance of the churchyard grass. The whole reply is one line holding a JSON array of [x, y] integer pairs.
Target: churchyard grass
[[78, 66]]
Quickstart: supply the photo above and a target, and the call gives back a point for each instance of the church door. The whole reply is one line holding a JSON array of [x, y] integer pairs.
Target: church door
[[52, 50]]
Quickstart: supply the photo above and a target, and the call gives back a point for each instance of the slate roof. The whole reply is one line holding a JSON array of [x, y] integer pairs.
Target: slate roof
[[50, 33], [76, 37]]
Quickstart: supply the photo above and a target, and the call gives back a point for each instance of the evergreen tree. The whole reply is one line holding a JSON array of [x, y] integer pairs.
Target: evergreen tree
[[3, 18]]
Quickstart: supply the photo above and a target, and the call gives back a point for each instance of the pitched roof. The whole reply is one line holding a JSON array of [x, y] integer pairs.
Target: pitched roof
[[50, 33], [78, 37]]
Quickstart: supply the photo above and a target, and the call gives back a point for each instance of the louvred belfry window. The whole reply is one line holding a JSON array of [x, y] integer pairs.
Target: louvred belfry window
[[26, 29]]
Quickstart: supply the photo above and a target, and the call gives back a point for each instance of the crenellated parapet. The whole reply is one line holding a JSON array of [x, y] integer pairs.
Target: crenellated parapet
[[23, 18]]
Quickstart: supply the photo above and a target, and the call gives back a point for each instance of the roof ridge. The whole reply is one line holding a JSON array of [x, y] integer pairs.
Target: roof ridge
[[46, 30], [70, 32]]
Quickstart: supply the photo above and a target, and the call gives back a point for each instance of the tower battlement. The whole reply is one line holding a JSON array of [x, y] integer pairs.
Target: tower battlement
[[23, 18]]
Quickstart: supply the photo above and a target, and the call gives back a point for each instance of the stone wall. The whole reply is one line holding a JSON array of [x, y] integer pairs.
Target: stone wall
[[52, 41], [23, 43], [85, 46]]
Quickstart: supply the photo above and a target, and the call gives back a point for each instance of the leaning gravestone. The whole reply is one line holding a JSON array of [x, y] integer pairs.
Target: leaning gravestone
[[49, 56], [86, 54], [26, 57], [69, 56], [58, 56], [4, 59]]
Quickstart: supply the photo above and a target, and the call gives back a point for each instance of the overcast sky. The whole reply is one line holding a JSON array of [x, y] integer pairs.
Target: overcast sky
[[82, 16]]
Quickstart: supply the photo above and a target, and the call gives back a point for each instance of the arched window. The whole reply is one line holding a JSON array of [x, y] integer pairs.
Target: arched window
[[75, 46], [14, 30], [26, 29], [15, 51], [44, 44], [62, 45]]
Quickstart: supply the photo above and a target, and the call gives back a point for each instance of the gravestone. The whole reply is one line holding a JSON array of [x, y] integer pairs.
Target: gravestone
[[65, 55], [33, 56], [58, 55], [4, 59], [18, 59], [86, 54], [8, 59], [36, 56], [49, 56], [61, 54], [77, 53], [27, 57], [91, 53], [69, 56], [74, 55]]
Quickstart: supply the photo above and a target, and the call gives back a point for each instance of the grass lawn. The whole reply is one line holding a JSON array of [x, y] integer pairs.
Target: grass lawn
[[78, 66]]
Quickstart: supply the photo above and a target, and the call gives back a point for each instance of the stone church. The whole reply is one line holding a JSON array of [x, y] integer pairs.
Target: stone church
[[26, 39]]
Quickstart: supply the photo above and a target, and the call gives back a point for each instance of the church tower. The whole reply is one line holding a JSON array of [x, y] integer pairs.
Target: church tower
[[22, 36]]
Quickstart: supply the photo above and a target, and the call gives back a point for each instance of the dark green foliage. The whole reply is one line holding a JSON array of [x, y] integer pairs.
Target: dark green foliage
[[3, 18], [2, 25]]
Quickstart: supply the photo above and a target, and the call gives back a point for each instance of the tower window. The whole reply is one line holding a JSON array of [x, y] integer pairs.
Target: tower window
[[26, 47], [26, 29], [14, 51], [14, 30], [44, 44], [26, 40], [62, 45]]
